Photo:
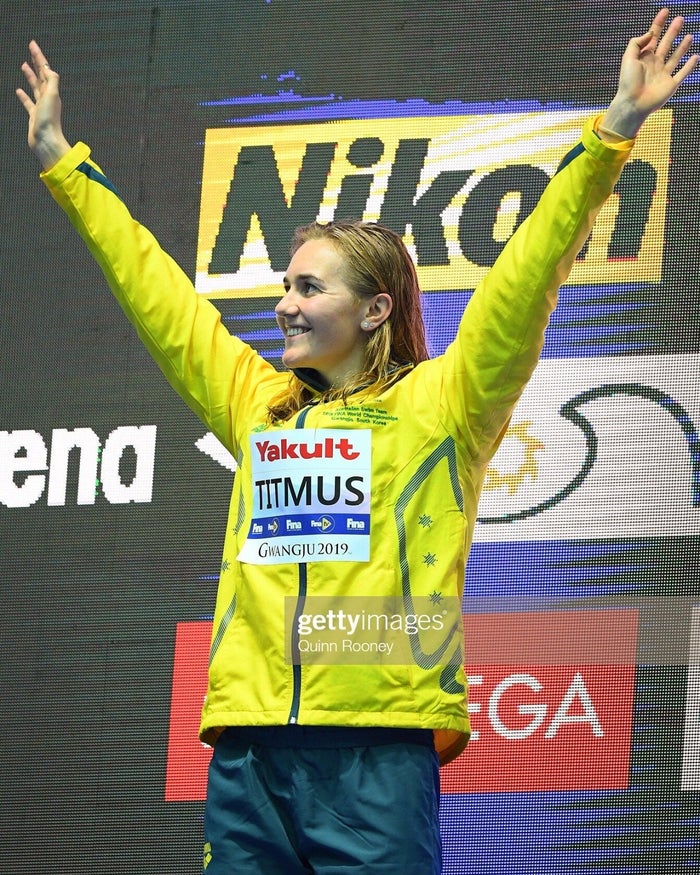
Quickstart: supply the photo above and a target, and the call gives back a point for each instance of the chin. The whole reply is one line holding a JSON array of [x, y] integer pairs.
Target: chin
[[291, 361]]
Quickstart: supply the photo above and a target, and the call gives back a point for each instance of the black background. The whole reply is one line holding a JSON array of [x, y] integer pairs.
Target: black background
[[91, 595]]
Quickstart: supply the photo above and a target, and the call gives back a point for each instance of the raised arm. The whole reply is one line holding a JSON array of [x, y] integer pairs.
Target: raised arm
[[502, 331], [214, 372]]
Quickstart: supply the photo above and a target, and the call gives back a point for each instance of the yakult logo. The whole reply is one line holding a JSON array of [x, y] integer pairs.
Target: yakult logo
[[328, 448]]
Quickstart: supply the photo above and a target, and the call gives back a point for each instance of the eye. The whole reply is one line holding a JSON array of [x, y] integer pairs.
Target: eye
[[309, 288]]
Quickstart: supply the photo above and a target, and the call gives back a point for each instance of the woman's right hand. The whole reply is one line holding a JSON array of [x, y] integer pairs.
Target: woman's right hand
[[45, 135]]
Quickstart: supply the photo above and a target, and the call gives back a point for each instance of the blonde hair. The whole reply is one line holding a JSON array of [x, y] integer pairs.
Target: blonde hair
[[375, 261]]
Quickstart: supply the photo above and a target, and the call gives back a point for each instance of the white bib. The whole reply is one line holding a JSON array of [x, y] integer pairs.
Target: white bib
[[311, 496]]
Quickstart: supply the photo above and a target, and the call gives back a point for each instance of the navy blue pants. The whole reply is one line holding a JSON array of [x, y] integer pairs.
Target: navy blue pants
[[283, 811]]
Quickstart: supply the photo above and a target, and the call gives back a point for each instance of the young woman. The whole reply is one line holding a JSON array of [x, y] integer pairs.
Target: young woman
[[327, 765]]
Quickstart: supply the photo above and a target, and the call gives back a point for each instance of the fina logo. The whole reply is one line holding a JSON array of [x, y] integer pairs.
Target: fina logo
[[324, 523]]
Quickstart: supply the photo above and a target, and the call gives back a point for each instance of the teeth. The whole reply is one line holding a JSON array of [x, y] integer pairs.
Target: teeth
[[293, 332]]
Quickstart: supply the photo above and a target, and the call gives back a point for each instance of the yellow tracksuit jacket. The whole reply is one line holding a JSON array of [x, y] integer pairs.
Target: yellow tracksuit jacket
[[426, 442]]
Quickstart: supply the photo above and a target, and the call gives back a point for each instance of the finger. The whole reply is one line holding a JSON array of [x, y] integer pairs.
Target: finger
[[38, 57], [674, 28], [39, 61], [30, 76], [680, 51], [686, 69], [25, 100], [659, 22], [651, 37]]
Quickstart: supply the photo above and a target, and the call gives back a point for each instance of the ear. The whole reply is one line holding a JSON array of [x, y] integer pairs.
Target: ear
[[378, 310]]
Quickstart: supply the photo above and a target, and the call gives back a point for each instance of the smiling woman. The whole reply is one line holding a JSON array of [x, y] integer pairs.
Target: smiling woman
[[357, 284], [321, 318], [322, 766]]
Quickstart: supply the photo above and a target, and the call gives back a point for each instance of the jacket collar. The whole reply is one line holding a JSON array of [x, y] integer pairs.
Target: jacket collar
[[311, 378]]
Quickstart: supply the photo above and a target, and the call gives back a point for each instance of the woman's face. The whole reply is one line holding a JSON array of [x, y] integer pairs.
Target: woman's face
[[319, 315]]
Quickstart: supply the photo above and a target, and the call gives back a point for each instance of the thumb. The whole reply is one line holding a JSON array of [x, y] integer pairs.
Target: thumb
[[638, 43]]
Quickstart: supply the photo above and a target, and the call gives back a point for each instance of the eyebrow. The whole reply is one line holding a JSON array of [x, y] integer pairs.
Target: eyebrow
[[303, 277]]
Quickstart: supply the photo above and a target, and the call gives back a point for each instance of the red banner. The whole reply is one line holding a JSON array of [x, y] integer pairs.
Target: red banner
[[188, 758], [551, 704]]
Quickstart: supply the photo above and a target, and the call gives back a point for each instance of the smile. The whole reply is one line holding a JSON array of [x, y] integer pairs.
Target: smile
[[295, 332]]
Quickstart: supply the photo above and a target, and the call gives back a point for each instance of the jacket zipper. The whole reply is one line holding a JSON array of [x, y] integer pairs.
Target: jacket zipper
[[296, 664], [301, 597]]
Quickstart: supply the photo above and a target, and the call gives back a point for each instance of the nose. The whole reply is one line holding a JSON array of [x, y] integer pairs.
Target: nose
[[287, 305]]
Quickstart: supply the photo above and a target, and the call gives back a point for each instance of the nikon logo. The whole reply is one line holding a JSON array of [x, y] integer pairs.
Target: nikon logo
[[455, 187]]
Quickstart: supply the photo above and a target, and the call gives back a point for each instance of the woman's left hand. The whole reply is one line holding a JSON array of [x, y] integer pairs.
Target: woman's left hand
[[649, 74]]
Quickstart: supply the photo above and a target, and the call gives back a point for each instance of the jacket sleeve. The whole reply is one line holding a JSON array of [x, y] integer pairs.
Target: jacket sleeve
[[205, 364], [501, 333]]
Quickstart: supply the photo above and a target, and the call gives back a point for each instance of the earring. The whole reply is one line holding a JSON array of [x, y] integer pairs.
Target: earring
[[366, 325]]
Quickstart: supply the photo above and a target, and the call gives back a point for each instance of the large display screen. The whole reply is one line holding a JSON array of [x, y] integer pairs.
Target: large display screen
[[224, 126]]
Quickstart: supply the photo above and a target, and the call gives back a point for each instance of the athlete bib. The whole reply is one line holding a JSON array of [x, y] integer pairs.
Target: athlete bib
[[311, 496]]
